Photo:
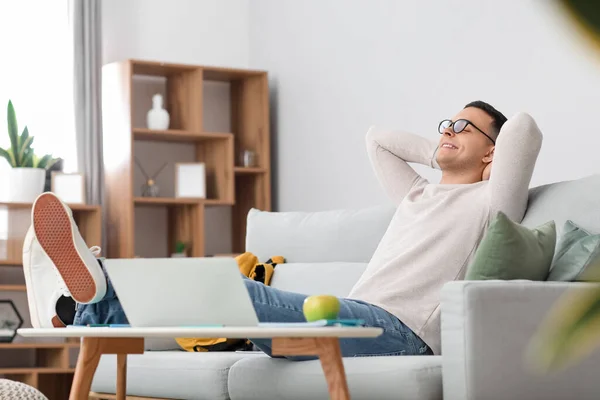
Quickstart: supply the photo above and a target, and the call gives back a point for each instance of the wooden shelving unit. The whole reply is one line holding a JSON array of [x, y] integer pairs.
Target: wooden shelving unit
[[51, 371], [228, 184]]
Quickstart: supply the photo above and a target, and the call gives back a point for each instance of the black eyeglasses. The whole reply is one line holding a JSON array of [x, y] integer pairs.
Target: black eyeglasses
[[458, 126]]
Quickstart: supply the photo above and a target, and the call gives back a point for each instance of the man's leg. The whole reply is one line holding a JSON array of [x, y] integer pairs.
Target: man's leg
[[273, 305], [106, 311]]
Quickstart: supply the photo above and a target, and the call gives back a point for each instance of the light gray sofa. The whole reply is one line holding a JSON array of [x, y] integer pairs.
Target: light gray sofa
[[485, 325]]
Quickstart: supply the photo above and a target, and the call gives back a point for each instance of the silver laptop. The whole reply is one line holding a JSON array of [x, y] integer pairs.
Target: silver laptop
[[181, 292]]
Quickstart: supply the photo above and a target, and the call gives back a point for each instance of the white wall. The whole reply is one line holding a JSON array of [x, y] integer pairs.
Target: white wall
[[207, 32], [338, 67]]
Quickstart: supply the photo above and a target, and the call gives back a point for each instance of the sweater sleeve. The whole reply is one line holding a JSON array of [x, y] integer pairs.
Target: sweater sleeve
[[516, 152], [391, 151]]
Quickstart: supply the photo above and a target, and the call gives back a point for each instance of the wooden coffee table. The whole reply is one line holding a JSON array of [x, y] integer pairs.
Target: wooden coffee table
[[293, 341]]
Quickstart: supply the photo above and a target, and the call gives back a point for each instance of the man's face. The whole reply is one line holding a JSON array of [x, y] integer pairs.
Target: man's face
[[466, 150]]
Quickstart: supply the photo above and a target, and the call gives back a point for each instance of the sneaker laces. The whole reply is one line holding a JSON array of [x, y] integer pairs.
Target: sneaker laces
[[62, 287]]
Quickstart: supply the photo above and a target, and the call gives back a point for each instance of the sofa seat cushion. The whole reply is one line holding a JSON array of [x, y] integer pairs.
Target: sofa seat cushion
[[170, 374], [399, 377]]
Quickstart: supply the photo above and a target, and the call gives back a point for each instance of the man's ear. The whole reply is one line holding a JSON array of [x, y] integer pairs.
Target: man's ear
[[489, 156]]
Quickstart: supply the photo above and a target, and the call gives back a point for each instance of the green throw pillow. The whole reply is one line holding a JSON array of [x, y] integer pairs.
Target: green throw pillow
[[511, 251], [576, 250]]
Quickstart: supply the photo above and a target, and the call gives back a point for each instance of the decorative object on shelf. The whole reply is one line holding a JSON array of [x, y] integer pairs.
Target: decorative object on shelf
[[157, 118], [28, 173], [10, 321], [150, 188], [70, 188], [190, 180], [249, 159], [180, 250]]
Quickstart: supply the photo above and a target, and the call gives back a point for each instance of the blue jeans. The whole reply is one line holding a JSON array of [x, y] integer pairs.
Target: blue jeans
[[274, 305]]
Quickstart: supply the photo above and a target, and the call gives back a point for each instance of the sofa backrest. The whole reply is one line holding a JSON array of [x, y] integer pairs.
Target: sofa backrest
[[335, 278], [326, 252], [326, 236], [577, 200]]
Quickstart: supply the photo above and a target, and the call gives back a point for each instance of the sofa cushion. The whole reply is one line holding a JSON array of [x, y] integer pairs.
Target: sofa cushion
[[339, 235], [563, 201], [575, 252], [170, 374], [335, 278], [512, 251], [399, 377]]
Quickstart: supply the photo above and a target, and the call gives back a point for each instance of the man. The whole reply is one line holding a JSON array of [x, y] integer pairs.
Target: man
[[430, 240]]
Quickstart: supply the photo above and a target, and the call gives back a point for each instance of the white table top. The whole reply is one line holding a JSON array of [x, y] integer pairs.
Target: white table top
[[252, 332]]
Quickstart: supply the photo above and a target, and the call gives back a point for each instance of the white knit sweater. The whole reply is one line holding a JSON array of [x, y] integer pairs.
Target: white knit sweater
[[437, 227]]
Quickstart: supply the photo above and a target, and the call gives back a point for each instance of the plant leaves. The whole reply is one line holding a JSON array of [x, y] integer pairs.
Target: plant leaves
[[50, 163], [25, 147], [4, 154], [13, 162], [43, 162], [13, 131], [23, 143], [28, 160]]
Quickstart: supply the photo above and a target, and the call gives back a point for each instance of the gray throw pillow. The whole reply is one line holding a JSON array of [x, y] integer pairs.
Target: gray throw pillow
[[576, 251]]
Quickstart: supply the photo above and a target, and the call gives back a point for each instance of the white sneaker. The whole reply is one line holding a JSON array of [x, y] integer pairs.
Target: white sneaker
[[59, 237], [44, 284]]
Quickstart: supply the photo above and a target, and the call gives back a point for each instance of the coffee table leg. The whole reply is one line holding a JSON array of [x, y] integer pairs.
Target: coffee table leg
[[87, 362], [121, 376], [89, 357], [328, 350]]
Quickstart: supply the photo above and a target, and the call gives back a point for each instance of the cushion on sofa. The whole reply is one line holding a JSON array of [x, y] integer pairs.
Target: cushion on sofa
[[339, 235], [381, 378], [335, 278], [512, 251], [576, 250], [170, 374]]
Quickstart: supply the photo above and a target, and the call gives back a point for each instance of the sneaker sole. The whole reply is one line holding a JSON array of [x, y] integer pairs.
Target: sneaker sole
[[52, 226]]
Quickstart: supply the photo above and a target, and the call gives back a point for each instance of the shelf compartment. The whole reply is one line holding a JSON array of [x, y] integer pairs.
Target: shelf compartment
[[182, 91], [251, 191], [217, 157], [177, 135]]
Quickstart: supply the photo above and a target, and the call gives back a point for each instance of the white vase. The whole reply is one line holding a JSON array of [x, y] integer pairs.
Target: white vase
[[25, 184], [158, 117]]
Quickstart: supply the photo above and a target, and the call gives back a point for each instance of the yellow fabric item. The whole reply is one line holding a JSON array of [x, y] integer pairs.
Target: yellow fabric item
[[250, 267]]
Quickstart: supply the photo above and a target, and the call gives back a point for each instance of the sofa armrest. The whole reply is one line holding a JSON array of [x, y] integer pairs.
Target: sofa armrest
[[486, 329]]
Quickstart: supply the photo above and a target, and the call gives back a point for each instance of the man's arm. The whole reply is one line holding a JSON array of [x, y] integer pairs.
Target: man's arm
[[516, 152], [391, 151]]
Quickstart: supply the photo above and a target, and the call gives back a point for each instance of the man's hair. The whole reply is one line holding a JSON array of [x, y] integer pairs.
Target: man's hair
[[498, 119]]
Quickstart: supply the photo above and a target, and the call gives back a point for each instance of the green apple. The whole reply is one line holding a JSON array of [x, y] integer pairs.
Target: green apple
[[321, 307]]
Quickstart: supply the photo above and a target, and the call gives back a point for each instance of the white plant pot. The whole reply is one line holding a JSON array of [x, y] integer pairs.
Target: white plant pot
[[25, 184]]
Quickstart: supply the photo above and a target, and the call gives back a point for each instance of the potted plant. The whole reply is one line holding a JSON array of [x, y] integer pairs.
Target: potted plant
[[28, 173], [180, 250]]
